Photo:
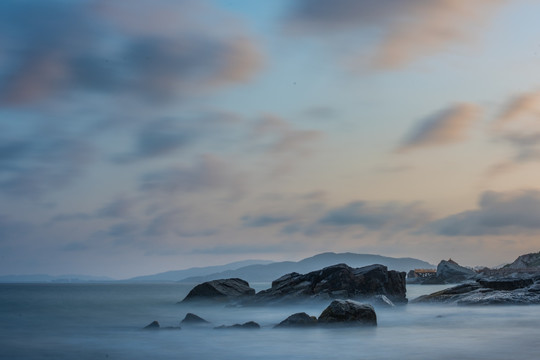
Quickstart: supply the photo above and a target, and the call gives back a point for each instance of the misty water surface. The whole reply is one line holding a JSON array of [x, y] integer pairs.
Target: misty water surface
[[104, 321]]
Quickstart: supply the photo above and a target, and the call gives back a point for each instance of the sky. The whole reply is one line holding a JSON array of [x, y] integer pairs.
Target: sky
[[143, 136]]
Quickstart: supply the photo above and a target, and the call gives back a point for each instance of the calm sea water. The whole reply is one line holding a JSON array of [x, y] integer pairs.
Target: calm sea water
[[104, 321]]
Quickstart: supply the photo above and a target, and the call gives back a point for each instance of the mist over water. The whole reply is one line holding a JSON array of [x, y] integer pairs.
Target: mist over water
[[104, 321]]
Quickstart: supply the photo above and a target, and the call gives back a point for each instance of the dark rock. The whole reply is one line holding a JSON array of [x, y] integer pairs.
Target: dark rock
[[250, 325], [154, 325], [348, 312], [220, 290], [192, 319], [451, 272], [337, 281], [448, 295], [298, 320], [506, 283]]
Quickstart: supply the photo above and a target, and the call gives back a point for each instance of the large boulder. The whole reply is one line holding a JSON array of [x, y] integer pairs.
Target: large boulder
[[336, 282], [220, 290], [348, 312], [451, 272], [298, 320]]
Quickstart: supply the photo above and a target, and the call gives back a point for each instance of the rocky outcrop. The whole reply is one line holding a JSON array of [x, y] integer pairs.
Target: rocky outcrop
[[451, 272], [336, 282], [348, 312], [193, 320], [510, 291], [220, 290], [448, 272], [298, 320], [250, 325]]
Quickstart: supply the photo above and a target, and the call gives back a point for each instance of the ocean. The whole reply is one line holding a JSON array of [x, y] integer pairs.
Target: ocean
[[105, 321]]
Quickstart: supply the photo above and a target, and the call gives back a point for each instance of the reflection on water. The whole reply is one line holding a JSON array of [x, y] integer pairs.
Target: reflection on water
[[70, 321]]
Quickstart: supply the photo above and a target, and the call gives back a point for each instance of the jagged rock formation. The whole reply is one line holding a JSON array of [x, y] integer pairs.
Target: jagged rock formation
[[336, 282], [510, 291], [348, 312], [220, 290]]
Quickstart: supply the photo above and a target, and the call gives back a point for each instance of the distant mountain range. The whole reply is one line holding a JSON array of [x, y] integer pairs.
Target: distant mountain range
[[250, 270], [43, 278], [260, 272], [177, 275]]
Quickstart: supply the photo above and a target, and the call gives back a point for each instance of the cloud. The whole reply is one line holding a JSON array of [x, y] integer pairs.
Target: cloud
[[405, 30], [165, 136], [56, 47], [209, 173], [518, 126], [119, 208], [519, 108], [265, 220], [41, 162], [445, 127], [499, 213], [284, 144], [374, 216]]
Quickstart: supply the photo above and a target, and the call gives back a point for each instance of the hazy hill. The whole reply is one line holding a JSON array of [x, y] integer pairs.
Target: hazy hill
[[177, 275], [525, 261], [269, 272]]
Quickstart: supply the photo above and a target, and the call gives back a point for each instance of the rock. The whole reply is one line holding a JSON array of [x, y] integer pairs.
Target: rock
[[487, 292], [451, 272], [192, 319], [298, 320], [220, 290], [250, 325], [338, 281], [526, 261], [449, 295], [506, 283], [154, 325], [348, 312]]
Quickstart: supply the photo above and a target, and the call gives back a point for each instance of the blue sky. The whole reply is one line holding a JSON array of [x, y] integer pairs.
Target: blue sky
[[143, 136]]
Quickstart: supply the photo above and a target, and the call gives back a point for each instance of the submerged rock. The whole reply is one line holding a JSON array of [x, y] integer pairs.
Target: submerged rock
[[192, 319], [154, 325], [220, 290], [250, 325], [336, 282], [298, 320], [348, 312]]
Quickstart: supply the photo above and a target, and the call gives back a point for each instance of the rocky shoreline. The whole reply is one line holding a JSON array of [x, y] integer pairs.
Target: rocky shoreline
[[353, 293], [374, 282], [489, 291]]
